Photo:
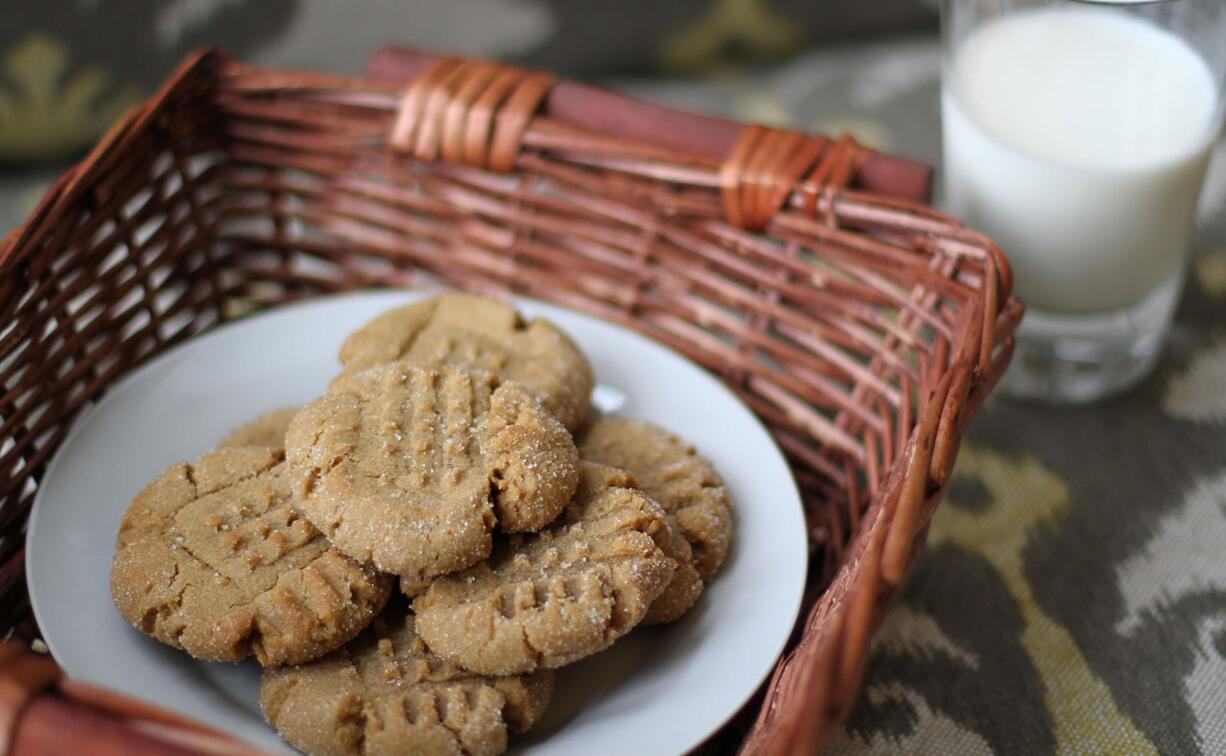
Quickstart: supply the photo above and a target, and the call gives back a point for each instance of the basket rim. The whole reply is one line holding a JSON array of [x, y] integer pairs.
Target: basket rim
[[918, 474]]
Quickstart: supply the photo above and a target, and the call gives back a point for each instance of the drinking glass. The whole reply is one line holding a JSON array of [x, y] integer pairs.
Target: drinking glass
[[1077, 134]]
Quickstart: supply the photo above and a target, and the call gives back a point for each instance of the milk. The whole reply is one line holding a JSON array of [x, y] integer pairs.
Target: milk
[[1077, 138]]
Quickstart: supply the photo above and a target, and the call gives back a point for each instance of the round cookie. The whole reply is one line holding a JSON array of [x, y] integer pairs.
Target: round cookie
[[479, 333], [267, 430], [386, 693], [211, 558], [686, 585], [685, 485], [550, 599], [411, 467]]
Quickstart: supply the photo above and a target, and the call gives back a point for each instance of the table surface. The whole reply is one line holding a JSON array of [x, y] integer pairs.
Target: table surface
[[1073, 596]]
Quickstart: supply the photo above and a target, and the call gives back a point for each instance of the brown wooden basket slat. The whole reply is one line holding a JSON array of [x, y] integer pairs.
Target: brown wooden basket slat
[[863, 329]]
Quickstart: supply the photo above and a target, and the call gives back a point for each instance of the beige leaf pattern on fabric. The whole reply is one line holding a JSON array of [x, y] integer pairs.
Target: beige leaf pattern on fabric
[[1182, 557], [933, 732], [1026, 495], [1184, 554], [749, 24], [45, 113], [1023, 496], [914, 633], [1210, 270], [1206, 694], [917, 633], [1199, 393]]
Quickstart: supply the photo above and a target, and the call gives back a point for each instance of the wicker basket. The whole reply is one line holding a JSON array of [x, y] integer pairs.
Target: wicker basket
[[863, 328]]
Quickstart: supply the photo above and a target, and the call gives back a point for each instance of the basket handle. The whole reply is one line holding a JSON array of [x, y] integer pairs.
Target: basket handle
[[473, 111], [616, 115], [470, 111]]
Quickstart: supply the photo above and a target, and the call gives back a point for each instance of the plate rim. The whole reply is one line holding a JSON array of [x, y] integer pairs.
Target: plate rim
[[406, 295]]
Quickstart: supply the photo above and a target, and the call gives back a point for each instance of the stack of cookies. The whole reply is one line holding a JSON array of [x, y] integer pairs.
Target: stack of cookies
[[454, 461]]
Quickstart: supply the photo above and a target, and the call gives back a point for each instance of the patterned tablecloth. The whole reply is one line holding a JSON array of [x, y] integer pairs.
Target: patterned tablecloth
[[1073, 597]]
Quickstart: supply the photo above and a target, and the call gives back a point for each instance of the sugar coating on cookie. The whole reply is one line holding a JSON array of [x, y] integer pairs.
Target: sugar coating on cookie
[[552, 598], [386, 693], [686, 486], [475, 332], [212, 558], [411, 468], [267, 430]]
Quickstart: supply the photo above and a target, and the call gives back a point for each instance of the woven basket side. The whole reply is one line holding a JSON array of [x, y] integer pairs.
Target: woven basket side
[[113, 266], [864, 331]]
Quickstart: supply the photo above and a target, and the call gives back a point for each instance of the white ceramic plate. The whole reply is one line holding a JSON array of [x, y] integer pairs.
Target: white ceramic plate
[[658, 691]]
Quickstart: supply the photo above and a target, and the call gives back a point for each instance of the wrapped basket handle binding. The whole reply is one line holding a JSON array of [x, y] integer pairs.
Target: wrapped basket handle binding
[[468, 111], [862, 326]]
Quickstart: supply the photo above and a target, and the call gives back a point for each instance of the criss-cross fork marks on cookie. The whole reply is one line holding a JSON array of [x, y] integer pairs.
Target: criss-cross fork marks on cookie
[[387, 693], [213, 559], [478, 333], [671, 472], [691, 493], [412, 467], [552, 598]]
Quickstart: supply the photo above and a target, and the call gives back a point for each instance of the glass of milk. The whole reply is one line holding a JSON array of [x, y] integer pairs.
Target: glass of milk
[[1076, 135]]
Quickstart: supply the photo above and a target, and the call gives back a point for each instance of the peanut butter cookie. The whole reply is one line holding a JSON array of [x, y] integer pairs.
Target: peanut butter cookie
[[211, 558], [267, 430], [479, 333], [386, 693], [550, 599], [686, 585], [685, 485], [412, 467]]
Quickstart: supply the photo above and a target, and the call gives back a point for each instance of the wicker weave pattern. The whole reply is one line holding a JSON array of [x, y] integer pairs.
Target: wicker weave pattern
[[864, 331]]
